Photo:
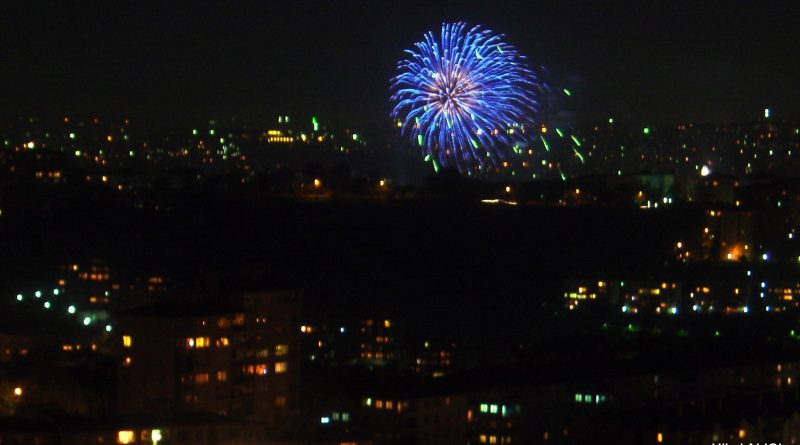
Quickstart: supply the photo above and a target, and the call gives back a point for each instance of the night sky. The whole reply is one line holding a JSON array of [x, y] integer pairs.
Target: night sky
[[645, 62]]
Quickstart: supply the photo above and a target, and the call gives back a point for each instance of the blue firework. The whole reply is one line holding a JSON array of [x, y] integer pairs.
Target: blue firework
[[465, 97]]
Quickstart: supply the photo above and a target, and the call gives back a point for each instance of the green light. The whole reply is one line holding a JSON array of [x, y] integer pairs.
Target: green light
[[211, 132], [560, 133], [567, 92], [355, 136], [646, 130], [71, 309], [546, 145], [474, 143], [435, 166], [610, 120], [72, 135], [20, 297], [38, 294], [575, 140], [419, 140], [131, 153], [717, 334], [579, 155], [31, 145], [315, 123], [87, 321], [194, 132], [427, 158], [47, 305], [108, 328]]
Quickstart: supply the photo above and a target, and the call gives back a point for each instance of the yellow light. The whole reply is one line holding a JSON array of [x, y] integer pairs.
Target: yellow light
[[18, 391], [382, 183], [742, 433], [156, 436], [127, 341], [660, 438], [387, 323], [317, 183], [124, 437], [508, 189]]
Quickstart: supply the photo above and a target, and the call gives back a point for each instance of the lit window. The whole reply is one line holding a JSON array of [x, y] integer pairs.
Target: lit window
[[484, 407], [280, 367], [281, 350], [127, 341], [223, 341], [483, 438], [493, 409], [222, 376], [389, 404], [387, 323], [124, 437], [201, 379], [202, 342], [280, 401], [492, 439], [379, 404]]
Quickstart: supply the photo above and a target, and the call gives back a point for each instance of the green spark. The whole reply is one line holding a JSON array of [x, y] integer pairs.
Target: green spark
[[579, 155], [574, 139], [567, 92], [546, 145], [560, 133]]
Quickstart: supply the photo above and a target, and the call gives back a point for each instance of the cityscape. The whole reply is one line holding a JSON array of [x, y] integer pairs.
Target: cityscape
[[369, 223]]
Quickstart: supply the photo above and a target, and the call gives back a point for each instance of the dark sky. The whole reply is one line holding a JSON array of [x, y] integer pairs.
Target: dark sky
[[645, 61]]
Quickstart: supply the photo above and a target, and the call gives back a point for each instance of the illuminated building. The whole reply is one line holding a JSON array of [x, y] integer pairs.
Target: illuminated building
[[651, 297], [378, 342], [579, 294], [434, 361], [236, 358]]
